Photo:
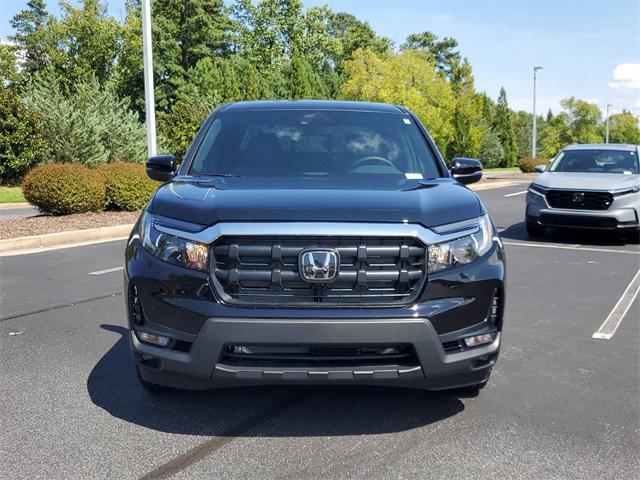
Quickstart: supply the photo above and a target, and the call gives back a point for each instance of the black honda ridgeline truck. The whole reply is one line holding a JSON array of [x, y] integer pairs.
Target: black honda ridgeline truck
[[314, 242]]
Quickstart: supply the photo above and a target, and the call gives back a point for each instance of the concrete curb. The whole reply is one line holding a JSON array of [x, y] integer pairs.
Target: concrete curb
[[15, 246], [7, 206], [492, 184]]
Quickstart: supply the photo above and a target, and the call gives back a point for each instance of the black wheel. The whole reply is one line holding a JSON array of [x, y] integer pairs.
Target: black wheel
[[633, 237], [472, 390], [534, 230], [148, 386]]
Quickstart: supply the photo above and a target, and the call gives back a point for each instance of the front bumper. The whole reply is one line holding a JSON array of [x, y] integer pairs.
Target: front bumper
[[621, 215], [180, 304]]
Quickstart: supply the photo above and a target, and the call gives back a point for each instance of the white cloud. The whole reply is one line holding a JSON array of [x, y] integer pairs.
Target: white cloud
[[626, 76]]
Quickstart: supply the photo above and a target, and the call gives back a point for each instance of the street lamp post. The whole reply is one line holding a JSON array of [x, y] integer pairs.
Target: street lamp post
[[533, 133], [606, 136], [149, 101]]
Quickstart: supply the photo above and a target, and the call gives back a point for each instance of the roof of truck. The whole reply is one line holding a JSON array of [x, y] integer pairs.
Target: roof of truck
[[315, 105], [602, 146]]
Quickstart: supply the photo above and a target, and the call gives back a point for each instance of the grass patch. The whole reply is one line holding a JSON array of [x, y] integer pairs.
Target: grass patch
[[11, 195], [503, 169]]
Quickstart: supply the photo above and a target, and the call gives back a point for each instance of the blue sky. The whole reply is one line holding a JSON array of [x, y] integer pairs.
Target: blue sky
[[589, 49]]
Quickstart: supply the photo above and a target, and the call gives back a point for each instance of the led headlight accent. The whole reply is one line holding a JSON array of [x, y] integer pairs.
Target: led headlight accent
[[461, 250], [535, 188], [175, 250]]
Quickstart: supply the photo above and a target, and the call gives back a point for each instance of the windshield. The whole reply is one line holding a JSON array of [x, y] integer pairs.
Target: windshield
[[295, 143], [596, 161]]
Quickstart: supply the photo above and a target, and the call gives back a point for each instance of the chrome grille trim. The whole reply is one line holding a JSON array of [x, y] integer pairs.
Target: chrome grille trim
[[329, 229]]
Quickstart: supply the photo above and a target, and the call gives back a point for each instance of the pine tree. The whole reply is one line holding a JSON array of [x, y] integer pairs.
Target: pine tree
[[298, 84], [503, 126], [32, 36]]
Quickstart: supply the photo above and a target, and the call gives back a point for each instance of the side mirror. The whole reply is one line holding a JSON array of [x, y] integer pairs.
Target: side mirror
[[161, 167], [540, 168], [466, 170]]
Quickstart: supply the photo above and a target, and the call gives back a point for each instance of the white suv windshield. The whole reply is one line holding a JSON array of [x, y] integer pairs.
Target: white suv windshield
[[596, 161], [314, 143]]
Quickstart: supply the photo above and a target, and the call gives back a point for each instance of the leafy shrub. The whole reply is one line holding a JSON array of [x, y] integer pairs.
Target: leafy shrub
[[61, 189], [128, 187], [21, 144], [179, 127], [90, 125], [529, 164]]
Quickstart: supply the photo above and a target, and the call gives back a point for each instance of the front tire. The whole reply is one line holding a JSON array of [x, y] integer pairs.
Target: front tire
[[633, 237], [534, 230], [148, 386]]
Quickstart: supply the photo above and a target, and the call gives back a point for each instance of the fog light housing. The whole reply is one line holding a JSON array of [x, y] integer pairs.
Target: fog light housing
[[478, 340], [158, 340]]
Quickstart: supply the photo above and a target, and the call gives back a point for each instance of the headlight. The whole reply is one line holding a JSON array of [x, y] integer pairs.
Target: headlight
[[535, 188], [461, 250], [176, 250]]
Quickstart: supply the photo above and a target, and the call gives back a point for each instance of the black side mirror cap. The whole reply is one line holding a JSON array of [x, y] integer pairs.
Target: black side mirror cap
[[161, 168], [466, 170]]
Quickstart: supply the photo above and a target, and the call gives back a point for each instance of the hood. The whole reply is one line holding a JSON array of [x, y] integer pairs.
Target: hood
[[587, 181], [240, 199]]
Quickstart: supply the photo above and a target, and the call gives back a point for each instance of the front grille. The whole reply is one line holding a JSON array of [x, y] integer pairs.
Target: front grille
[[318, 356], [374, 271], [578, 222], [579, 200]]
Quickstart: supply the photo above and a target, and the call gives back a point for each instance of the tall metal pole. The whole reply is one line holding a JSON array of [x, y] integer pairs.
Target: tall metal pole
[[606, 137], [149, 101], [534, 132]]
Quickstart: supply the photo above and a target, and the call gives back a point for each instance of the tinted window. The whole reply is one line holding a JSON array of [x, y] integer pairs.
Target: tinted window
[[313, 143], [596, 161]]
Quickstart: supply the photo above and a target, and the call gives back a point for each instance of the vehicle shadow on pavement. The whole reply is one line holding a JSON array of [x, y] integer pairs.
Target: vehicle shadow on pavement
[[518, 231], [269, 411]]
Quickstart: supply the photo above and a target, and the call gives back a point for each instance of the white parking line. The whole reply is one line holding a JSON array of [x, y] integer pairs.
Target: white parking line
[[514, 194], [570, 247], [611, 324], [106, 270]]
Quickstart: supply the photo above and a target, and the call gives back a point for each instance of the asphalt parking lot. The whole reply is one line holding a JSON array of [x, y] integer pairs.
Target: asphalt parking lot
[[560, 404]]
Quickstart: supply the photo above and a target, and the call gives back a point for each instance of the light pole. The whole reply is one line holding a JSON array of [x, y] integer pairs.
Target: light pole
[[149, 101], [606, 136], [533, 133]]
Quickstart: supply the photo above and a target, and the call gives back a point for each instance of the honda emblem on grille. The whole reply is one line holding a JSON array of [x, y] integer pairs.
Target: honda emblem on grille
[[578, 197], [319, 265]]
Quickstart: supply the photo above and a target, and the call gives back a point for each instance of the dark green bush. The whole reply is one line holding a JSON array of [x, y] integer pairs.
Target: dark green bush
[[128, 187], [21, 144], [64, 188], [529, 164]]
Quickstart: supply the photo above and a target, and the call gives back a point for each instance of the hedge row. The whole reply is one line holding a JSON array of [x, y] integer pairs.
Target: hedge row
[[61, 189], [529, 164]]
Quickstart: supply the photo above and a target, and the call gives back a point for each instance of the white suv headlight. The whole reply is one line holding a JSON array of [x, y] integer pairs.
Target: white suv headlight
[[462, 250]]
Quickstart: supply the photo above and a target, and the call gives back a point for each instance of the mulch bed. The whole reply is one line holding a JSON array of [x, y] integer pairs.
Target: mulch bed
[[24, 227]]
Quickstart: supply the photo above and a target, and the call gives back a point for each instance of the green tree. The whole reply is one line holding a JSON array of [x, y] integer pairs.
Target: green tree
[[522, 128], [408, 78], [443, 52], [554, 135], [179, 126], [353, 34], [185, 32], [582, 119], [128, 71], [22, 146], [503, 127], [491, 153], [90, 126], [623, 128], [467, 115], [299, 85], [32, 36], [8, 68]]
